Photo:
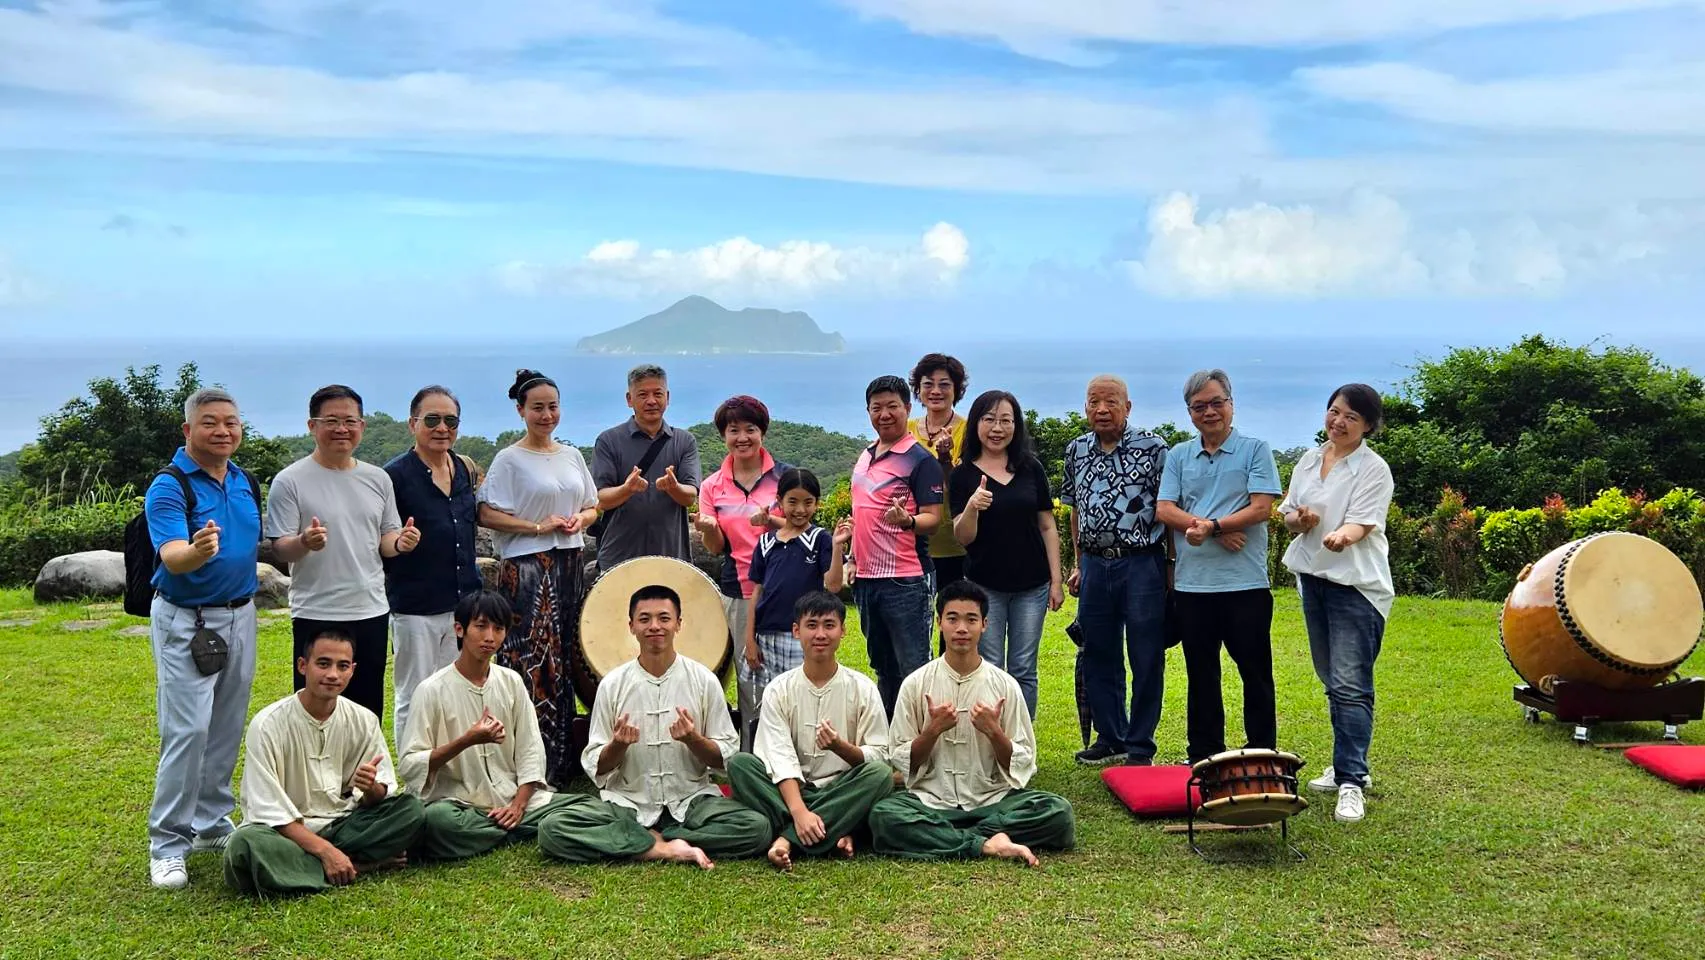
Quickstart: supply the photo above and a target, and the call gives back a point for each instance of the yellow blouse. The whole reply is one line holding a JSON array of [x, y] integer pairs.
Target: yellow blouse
[[942, 543]]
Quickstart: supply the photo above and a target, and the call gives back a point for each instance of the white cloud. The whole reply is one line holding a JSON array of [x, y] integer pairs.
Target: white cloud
[[790, 270], [1369, 247], [1668, 99], [17, 289], [1064, 30]]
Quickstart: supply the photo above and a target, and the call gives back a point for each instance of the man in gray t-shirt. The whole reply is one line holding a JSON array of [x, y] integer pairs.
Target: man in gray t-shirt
[[645, 512], [333, 518]]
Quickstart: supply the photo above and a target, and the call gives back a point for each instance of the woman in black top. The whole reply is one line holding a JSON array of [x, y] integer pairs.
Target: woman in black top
[[1003, 512]]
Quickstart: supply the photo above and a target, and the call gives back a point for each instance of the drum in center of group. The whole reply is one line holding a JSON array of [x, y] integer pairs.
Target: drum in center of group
[[605, 642]]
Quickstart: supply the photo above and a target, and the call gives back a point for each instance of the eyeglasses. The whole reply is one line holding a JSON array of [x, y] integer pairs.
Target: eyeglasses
[[332, 423], [1216, 405], [432, 420], [1006, 422]]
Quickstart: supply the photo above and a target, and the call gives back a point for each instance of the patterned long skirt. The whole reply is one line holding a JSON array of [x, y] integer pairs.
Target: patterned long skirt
[[544, 589]]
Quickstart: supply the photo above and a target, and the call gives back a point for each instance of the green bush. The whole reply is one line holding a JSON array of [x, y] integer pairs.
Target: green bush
[[28, 540]]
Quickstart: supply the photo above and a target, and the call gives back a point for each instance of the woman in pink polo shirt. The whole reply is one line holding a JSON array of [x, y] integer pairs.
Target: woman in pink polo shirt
[[737, 504]]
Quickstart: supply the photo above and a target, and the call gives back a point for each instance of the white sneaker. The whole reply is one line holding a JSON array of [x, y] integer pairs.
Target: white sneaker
[[215, 844], [1350, 807], [168, 873], [1327, 782]]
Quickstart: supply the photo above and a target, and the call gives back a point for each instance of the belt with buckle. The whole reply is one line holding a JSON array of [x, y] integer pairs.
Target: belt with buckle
[[1114, 553], [236, 604]]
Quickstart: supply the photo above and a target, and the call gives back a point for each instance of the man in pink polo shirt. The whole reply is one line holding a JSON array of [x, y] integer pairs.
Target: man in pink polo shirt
[[736, 505], [896, 505]]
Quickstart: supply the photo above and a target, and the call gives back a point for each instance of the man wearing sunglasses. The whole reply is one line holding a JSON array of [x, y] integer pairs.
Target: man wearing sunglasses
[[436, 487], [334, 519]]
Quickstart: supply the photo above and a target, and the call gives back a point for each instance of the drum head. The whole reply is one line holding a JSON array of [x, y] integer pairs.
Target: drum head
[[1247, 753], [605, 641], [1633, 599], [1253, 808]]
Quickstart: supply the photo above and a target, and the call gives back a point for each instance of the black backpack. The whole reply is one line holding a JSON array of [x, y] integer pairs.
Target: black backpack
[[140, 557]]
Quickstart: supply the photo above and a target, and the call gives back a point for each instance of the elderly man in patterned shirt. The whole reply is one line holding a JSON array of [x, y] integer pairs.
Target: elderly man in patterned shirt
[[1111, 483]]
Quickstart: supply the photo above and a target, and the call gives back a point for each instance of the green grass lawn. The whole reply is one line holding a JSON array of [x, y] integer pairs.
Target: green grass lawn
[[1485, 837]]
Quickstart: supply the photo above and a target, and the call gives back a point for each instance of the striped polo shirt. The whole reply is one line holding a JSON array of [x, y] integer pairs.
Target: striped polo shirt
[[733, 505], [904, 470]]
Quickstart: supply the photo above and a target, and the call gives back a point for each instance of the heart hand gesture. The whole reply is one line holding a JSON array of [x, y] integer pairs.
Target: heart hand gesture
[[487, 729], [667, 483], [683, 729], [206, 541], [896, 513], [636, 482]]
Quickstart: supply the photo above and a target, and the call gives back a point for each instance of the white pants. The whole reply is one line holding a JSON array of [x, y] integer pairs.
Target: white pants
[[421, 646]]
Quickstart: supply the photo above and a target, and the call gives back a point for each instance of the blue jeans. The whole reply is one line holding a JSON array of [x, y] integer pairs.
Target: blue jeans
[[1014, 635], [1344, 634], [1122, 610], [895, 615]]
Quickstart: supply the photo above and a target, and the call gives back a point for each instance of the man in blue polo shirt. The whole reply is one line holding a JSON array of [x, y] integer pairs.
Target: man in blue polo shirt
[[206, 581], [1216, 494]]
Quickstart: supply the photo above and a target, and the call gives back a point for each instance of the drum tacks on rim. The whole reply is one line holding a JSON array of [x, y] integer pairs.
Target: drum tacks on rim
[[1246, 788]]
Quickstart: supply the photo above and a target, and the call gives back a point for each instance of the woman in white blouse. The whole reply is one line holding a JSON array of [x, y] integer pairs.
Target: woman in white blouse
[[538, 498], [1336, 510]]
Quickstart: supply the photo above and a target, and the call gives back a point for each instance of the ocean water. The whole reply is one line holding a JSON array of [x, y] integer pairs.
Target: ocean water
[[1281, 386]]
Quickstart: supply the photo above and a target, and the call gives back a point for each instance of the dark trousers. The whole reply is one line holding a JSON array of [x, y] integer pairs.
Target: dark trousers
[[1122, 610], [1241, 621], [372, 643]]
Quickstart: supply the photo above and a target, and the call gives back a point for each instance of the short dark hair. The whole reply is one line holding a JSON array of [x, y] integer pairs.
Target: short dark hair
[[489, 604], [655, 591], [819, 603], [742, 409], [1365, 401], [932, 362], [335, 391], [333, 635], [1017, 449], [888, 384], [434, 390], [962, 590], [798, 478], [526, 380]]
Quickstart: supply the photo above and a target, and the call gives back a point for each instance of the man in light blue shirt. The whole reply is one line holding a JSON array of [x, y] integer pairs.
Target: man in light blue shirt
[[1216, 494]]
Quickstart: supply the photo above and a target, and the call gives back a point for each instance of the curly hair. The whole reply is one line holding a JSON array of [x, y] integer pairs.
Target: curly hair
[[932, 362]]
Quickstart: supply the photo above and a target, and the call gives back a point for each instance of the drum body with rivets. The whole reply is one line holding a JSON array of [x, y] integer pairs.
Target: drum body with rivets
[[606, 642], [1616, 610]]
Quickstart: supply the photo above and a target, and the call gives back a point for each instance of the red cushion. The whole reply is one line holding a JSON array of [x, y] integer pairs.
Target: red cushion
[[1682, 766], [1152, 791], [727, 789]]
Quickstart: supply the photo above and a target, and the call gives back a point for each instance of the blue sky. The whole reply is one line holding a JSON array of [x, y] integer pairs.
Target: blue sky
[[996, 168]]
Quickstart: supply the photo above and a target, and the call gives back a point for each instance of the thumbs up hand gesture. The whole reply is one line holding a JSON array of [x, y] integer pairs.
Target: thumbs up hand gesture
[[761, 516], [1199, 532], [982, 498], [987, 719], [366, 775], [206, 541], [409, 537], [314, 538]]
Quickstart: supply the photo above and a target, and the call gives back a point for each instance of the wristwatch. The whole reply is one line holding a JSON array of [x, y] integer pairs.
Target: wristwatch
[[1216, 528]]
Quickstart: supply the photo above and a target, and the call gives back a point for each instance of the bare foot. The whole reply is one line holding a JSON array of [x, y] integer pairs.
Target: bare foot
[[844, 847], [781, 854], [1001, 845], [379, 866], [678, 851]]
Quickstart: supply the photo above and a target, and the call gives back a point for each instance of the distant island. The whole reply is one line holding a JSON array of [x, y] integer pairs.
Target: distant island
[[699, 325]]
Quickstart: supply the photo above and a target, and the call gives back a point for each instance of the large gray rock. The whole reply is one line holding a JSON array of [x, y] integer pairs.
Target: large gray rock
[[78, 576], [484, 544], [488, 571], [274, 592]]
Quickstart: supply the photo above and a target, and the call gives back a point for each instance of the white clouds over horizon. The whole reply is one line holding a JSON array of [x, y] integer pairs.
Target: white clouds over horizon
[[1369, 247], [789, 271]]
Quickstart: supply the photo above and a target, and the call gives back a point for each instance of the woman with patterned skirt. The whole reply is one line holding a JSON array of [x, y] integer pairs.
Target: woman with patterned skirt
[[538, 499]]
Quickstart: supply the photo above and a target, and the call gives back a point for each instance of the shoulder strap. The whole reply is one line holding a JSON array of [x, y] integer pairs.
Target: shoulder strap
[[475, 477], [175, 472], [652, 452]]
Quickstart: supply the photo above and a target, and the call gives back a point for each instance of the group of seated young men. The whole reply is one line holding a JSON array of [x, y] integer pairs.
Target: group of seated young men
[[321, 801]]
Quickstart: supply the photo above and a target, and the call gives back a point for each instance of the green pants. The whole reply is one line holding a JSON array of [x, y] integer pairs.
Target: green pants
[[902, 826], [261, 861], [844, 803], [600, 830], [455, 832]]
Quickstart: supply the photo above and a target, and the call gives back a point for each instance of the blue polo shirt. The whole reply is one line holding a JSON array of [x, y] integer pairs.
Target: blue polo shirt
[[1214, 486], [432, 577], [788, 570], [230, 574]]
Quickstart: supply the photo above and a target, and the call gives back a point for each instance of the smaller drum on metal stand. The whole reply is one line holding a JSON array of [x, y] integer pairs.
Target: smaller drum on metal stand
[[1246, 788]]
